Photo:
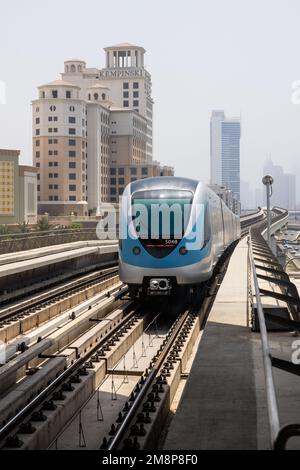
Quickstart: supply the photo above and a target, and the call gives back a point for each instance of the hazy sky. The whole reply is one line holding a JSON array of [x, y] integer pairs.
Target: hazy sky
[[238, 55]]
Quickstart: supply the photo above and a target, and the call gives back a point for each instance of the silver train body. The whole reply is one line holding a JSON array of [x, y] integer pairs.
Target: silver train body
[[154, 262]]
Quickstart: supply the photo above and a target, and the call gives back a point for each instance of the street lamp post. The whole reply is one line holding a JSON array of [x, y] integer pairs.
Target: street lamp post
[[268, 181]]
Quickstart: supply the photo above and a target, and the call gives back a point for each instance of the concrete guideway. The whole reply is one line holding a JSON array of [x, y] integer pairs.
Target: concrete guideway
[[53, 249], [25, 261]]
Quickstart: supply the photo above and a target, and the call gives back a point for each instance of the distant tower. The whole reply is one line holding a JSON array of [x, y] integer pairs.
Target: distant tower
[[216, 147], [225, 134]]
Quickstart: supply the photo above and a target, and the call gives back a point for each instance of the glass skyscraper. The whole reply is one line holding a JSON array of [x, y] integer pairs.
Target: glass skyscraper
[[225, 134]]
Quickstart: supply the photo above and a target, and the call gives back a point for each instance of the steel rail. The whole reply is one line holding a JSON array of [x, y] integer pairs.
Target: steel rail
[[115, 441], [59, 292], [9, 426]]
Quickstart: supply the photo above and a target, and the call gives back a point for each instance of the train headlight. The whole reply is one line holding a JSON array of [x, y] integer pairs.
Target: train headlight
[[136, 250], [183, 250]]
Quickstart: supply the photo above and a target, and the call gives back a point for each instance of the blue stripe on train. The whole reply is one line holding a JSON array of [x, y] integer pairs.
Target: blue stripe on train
[[173, 260]]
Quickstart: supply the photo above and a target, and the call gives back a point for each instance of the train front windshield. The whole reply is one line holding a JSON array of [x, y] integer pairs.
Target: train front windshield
[[160, 218]]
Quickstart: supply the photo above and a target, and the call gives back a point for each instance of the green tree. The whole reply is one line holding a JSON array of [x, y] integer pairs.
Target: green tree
[[23, 228], [43, 224], [4, 229], [75, 225]]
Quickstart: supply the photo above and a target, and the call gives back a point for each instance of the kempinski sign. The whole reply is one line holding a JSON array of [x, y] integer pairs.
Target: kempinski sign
[[123, 73]]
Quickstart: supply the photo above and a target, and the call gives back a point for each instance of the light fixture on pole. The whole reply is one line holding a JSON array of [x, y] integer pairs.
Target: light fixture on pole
[[268, 181]]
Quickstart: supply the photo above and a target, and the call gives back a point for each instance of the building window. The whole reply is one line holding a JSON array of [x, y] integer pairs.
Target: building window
[[55, 175], [133, 171], [72, 153], [113, 191], [72, 108], [125, 94], [38, 164], [135, 94], [133, 179], [113, 181], [37, 154], [55, 186], [49, 129], [121, 171], [96, 96], [55, 141], [37, 120], [55, 152], [121, 181], [55, 129], [55, 118], [126, 104], [55, 198], [50, 198], [37, 143], [72, 131], [72, 187], [55, 163], [72, 164], [68, 94], [135, 102], [50, 152], [37, 110], [112, 171], [72, 120], [135, 85], [54, 93], [72, 198], [72, 176], [103, 96], [50, 141], [38, 187], [72, 142], [144, 171], [125, 85], [50, 175], [37, 132], [50, 186], [49, 118], [52, 108]]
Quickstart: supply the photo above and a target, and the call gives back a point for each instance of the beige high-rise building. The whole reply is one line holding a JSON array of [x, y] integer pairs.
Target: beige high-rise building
[[92, 133], [60, 149], [130, 83]]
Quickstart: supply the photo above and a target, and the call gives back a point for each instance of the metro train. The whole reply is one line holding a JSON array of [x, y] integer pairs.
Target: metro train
[[172, 233]]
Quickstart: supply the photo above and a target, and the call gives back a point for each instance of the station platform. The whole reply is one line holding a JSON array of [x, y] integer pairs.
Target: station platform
[[223, 404]]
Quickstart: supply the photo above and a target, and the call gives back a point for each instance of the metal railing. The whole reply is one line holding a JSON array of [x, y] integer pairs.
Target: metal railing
[[261, 258]]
